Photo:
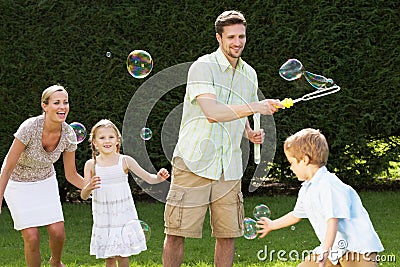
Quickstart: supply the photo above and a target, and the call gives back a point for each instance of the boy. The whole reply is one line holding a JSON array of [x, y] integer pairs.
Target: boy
[[333, 208]]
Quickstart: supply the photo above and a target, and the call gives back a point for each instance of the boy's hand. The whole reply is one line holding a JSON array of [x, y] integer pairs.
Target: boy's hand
[[265, 226], [162, 174]]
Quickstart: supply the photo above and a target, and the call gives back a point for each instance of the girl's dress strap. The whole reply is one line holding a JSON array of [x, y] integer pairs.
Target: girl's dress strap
[[122, 158]]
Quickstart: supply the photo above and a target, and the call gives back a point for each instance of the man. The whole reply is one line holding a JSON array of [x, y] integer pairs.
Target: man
[[207, 163]]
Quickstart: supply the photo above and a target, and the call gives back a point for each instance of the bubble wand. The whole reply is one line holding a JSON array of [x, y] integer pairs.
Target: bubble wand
[[292, 70], [257, 147]]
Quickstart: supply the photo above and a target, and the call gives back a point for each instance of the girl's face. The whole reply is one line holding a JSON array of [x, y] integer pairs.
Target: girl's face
[[106, 140], [57, 107]]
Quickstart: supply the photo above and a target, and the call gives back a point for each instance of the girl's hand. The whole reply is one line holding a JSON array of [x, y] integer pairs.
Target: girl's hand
[[95, 182], [162, 174], [265, 226]]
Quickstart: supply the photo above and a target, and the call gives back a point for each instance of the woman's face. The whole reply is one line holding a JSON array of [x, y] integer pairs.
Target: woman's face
[[57, 107]]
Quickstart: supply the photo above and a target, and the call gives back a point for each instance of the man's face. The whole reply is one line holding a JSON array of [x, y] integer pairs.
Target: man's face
[[232, 41]]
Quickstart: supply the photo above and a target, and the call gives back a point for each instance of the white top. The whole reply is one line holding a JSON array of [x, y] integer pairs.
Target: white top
[[325, 196], [209, 149]]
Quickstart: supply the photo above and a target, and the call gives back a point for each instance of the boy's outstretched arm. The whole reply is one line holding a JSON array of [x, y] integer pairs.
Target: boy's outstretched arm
[[330, 235], [267, 225]]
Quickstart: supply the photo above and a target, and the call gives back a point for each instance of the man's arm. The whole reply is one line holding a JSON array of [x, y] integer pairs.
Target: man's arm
[[219, 112]]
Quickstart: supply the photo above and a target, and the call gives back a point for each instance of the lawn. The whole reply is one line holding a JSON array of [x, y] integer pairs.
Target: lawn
[[279, 248]]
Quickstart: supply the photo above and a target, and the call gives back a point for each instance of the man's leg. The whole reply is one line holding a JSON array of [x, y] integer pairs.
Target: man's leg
[[224, 252], [173, 251], [226, 212]]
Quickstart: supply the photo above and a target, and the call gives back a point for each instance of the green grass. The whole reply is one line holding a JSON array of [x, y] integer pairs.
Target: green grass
[[199, 252]]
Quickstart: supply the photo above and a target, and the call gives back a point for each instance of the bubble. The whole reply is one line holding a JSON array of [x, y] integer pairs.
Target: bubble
[[146, 230], [261, 210], [291, 70], [317, 81], [293, 228], [250, 228], [108, 54], [139, 63], [76, 133], [134, 231], [146, 133]]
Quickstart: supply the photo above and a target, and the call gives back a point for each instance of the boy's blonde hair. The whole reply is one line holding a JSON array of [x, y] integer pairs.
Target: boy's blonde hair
[[308, 142]]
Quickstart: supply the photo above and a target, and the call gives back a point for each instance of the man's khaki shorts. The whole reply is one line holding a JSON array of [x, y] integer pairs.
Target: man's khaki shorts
[[191, 195]]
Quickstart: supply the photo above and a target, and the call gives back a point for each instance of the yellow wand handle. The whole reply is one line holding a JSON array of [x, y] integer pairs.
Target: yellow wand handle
[[287, 102]]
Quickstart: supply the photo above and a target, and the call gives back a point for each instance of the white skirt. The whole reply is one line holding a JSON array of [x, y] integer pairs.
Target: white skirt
[[34, 204]]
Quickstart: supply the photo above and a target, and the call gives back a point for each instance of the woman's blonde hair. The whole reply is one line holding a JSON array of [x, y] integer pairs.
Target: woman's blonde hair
[[107, 124], [308, 142], [51, 90]]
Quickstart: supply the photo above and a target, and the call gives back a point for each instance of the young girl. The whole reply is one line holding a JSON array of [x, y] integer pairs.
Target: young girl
[[106, 177]]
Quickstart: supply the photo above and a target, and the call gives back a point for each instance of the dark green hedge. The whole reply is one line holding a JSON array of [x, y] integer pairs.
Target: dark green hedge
[[354, 42]]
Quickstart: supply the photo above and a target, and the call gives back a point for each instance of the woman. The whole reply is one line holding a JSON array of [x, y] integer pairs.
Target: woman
[[28, 179]]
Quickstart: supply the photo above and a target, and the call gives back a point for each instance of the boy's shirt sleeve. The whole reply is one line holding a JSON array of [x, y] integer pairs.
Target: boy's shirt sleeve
[[299, 210], [335, 200]]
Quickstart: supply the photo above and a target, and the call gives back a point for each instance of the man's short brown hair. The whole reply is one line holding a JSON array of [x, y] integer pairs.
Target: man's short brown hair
[[228, 18]]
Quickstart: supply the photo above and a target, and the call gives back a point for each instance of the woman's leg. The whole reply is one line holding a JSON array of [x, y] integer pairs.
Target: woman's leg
[[31, 246], [56, 242]]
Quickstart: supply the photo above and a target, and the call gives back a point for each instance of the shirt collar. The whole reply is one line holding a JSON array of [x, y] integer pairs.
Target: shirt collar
[[223, 62], [317, 176]]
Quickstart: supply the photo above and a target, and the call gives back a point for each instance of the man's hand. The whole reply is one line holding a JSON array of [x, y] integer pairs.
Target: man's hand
[[256, 137]]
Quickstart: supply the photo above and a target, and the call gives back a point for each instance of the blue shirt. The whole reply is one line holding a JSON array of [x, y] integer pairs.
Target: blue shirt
[[325, 196]]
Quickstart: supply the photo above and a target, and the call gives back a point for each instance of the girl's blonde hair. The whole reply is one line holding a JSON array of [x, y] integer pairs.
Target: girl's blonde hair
[[107, 124], [308, 142]]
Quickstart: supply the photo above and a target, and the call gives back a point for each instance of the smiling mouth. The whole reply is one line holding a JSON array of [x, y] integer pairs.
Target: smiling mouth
[[61, 115]]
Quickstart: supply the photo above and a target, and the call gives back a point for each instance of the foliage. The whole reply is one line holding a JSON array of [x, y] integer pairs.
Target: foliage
[[354, 42]]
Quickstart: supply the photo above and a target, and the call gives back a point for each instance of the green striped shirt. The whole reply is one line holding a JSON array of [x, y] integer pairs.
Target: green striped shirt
[[210, 149]]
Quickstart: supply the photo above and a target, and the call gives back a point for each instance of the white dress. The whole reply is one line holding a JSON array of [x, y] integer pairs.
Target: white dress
[[116, 228]]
